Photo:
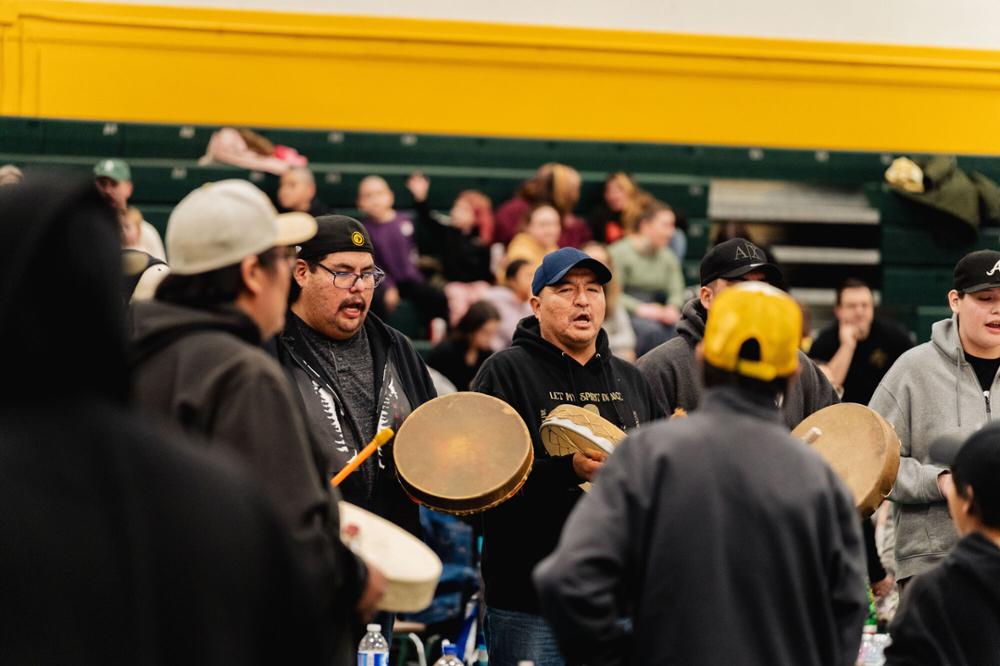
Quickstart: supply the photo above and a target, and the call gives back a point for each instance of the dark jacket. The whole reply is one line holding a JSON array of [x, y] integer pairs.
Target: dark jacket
[[675, 379], [950, 616], [118, 543], [392, 357], [205, 371], [464, 257], [725, 540], [534, 377]]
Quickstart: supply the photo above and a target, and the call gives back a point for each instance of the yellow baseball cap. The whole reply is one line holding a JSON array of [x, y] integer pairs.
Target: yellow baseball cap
[[754, 311]]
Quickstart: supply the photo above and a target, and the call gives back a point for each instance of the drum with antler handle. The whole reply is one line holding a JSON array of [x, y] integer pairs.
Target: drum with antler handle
[[860, 445]]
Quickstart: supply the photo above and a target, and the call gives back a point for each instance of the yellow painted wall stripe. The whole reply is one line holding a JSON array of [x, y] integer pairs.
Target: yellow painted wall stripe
[[148, 63]]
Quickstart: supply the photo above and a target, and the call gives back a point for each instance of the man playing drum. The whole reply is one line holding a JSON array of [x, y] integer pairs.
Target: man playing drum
[[942, 387], [670, 368], [560, 355], [715, 539], [354, 374]]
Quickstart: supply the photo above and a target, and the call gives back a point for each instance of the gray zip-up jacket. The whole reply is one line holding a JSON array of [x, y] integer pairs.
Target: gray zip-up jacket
[[930, 391]]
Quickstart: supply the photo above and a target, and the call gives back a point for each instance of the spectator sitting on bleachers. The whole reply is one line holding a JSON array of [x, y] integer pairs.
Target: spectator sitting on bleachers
[[512, 299], [10, 175], [141, 271], [555, 184], [113, 179], [651, 277], [297, 193], [615, 217], [460, 242], [392, 235], [539, 236], [469, 344], [618, 326]]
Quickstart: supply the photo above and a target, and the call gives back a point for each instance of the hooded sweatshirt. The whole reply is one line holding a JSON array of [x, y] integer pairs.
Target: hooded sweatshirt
[[930, 391], [951, 615], [534, 377], [675, 379], [723, 539], [204, 370], [121, 545]]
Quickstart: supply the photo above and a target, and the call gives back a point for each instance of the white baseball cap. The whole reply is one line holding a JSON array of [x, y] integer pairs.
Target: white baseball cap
[[220, 223]]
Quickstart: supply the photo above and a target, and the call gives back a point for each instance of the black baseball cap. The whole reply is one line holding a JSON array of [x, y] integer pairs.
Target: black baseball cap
[[336, 233], [977, 271], [735, 258], [556, 264], [974, 460]]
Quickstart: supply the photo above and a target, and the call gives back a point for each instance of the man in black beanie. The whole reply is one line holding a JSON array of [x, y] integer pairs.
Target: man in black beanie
[[355, 374]]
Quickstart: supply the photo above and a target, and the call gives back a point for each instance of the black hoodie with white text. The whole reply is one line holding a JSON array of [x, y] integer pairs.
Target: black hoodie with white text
[[534, 377]]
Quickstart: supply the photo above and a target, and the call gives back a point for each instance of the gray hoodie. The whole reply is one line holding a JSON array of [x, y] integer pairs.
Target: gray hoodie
[[930, 391], [675, 379]]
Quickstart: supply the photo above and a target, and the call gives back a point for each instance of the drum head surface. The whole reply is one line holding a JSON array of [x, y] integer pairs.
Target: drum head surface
[[568, 429], [462, 453], [412, 569], [860, 446]]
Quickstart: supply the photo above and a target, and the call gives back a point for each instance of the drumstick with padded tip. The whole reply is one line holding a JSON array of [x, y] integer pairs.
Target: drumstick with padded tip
[[813, 434], [381, 438]]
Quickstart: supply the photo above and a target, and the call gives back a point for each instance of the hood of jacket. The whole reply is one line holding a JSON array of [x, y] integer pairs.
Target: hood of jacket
[[944, 337], [529, 335], [156, 324], [979, 558], [691, 327], [61, 316]]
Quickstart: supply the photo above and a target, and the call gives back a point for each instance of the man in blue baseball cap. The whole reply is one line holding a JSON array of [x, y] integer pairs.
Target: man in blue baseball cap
[[559, 356]]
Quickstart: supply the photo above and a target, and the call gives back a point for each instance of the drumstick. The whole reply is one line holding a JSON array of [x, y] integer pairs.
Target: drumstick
[[381, 438]]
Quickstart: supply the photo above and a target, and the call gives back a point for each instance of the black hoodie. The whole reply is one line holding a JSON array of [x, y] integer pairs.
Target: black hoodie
[[675, 378], [118, 545], [534, 377], [951, 614]]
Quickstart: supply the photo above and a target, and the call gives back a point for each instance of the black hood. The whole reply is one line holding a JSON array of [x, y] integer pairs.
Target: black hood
[[61, 320], [978, 558], [691, 327], [529, 334], [156, 324]]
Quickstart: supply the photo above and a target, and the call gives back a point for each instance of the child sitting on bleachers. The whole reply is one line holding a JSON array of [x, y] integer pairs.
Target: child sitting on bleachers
[[539, 235], [392, 236]]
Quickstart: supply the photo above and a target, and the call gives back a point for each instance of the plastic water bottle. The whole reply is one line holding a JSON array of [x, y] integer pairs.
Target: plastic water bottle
[[449, 655], [872, 646], [373, 650]]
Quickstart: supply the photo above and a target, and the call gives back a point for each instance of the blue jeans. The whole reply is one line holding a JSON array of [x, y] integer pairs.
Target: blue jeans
[[512, 637]]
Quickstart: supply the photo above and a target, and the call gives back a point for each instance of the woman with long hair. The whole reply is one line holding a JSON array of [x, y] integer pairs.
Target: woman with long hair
[[469, 344], [555, 184]]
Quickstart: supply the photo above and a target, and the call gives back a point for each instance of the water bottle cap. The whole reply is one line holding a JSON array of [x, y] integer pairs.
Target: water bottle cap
[[448, 648], [374, 627]]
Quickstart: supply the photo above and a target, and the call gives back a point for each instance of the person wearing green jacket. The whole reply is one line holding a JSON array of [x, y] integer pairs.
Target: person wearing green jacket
[[651, 277]]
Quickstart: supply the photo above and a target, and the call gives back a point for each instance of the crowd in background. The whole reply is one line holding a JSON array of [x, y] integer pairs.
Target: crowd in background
[[468, 275]]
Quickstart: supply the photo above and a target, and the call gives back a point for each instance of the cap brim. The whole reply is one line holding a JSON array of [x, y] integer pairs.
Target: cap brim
[[772, 273], [294, 228], [979, 287], [943, 450]]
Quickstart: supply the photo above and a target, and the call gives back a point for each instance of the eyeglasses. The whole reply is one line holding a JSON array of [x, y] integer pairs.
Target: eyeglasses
[[343, 280]]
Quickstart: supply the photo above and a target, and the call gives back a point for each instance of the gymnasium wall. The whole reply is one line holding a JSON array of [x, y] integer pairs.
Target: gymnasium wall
[[888, 76]]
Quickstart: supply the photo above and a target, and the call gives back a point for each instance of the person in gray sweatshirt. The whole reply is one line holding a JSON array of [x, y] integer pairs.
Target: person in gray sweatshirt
[[942, 387], [670, 368]]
